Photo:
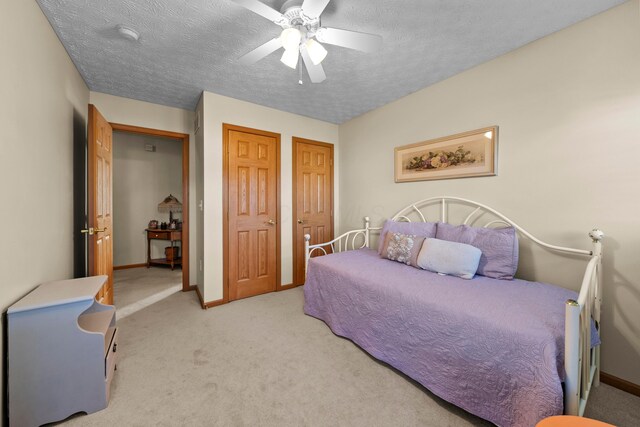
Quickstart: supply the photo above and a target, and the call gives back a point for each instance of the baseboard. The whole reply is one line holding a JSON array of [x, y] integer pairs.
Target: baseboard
[[619, 383], [208, 304], [287, 286], [215, 303], [222, 301], [200, 298], [124, 267]]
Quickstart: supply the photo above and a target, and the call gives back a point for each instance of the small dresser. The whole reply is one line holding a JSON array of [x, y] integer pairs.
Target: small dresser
[[62, 350]]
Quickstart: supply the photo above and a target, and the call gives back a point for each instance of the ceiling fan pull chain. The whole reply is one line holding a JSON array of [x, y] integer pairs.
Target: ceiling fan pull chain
[[300, 70]]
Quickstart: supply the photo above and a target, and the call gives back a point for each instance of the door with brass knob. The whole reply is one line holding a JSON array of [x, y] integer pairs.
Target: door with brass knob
[[100, 190], [312, 197], [251, 259]]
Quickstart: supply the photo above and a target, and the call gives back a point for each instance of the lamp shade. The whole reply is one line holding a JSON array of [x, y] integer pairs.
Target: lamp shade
[[316, 51], [290, 38], [290, 58], [170, 204]]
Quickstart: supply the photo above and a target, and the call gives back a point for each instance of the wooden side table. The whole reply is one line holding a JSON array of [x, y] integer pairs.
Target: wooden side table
[[157, 234]]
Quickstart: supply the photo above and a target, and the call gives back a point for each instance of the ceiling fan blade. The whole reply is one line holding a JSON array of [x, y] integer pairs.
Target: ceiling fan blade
[[316, 72], [261, 51], [313, 8], [350, 39], [261, 9]]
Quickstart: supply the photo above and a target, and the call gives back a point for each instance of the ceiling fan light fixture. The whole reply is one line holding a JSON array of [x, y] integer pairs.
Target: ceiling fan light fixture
[[316, 51], [290, 58], [290, 38]]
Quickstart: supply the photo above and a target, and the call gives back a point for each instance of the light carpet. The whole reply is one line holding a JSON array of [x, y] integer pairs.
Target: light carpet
[[137, 288], [261, 361]]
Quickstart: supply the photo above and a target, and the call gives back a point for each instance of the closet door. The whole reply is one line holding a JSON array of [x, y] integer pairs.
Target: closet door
[[312, 198], [252, 212]]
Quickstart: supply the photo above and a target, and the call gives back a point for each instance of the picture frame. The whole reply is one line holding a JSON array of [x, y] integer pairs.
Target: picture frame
[[463, 155]]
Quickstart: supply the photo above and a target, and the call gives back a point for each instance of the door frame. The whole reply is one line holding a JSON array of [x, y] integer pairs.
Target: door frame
[[184, 139], [294, 195], [225, 205]]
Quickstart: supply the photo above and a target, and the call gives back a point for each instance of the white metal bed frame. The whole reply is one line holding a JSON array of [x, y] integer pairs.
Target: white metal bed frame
[[581, 361]]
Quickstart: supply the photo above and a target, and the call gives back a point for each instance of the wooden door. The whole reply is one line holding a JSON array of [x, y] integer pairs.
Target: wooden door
[[100, 190], [252, 206], [312, 198]]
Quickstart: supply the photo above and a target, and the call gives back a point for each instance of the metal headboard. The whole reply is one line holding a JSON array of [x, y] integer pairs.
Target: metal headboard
[[418, 210]]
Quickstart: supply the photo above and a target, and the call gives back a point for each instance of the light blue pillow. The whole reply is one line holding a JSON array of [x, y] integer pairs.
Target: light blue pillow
[[452, 258]]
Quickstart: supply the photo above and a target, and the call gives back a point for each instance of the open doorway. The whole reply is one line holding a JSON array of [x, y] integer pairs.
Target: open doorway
[[150, 216]]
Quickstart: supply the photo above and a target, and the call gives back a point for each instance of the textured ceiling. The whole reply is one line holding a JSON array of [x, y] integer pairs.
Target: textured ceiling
[[187, 46]]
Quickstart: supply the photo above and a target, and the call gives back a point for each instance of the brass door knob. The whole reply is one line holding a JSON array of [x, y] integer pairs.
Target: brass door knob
[[301, 221], [97, 230], [271, 222]]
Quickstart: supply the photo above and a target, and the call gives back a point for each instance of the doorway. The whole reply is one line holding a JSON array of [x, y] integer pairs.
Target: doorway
[[251, 200], [147, 186], [312, 198], [102, 137]]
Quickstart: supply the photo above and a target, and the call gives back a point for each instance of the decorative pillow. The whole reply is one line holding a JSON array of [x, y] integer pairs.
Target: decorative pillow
[[403, 248], [499, 247], [452, 258], [422, 229]]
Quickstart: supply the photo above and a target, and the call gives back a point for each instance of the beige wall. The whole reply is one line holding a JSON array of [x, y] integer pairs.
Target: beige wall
[[219, 109], [141, 180], [568, 107], [43, 98], [144, 114]]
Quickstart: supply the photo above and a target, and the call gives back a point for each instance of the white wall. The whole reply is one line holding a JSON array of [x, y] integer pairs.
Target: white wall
[[43, 98], [141, 180], [138, 113], [568, 107], [219, 109]]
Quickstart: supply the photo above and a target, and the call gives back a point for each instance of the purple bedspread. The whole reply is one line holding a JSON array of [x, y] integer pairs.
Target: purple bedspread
[[492, 347]]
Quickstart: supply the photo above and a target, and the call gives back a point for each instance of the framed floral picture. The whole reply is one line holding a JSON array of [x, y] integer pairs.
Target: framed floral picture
[[462, 155]]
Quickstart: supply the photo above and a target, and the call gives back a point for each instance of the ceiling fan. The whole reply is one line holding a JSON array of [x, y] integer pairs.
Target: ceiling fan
[[301, 34]]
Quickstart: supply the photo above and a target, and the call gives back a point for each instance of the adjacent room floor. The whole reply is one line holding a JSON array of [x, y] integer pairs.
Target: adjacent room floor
[[136, 288], [261, 361]]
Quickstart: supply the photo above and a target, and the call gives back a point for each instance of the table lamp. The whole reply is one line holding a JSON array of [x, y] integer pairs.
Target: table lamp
[[170, 204]]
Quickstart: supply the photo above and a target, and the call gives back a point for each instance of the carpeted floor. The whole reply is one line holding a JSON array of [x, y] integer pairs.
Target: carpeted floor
[[261, 361], [135, 284]]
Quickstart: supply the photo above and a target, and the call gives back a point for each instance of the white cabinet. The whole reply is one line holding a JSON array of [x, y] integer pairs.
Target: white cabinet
[[62, 349]]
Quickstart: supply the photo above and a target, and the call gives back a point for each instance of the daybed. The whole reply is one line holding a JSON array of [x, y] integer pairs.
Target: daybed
[[500, 349]]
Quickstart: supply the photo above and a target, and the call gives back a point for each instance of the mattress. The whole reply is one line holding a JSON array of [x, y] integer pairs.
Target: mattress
[[492, 347]]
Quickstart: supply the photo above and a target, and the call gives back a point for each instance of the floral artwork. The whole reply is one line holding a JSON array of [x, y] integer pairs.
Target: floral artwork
[[457, 156], [443, 159]]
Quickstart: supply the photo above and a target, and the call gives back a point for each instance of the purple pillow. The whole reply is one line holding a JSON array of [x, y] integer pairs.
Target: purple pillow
[[499, 247], [422, 229]]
